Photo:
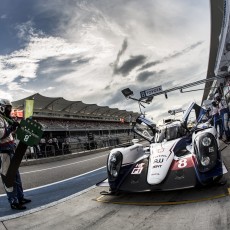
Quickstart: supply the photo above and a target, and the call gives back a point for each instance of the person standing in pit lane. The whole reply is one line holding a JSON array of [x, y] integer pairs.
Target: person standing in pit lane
[[7, 149], [217, 119], [224, 114], [205, 114]]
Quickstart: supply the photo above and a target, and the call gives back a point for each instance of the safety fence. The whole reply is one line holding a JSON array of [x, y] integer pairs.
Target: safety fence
[[50, 150]]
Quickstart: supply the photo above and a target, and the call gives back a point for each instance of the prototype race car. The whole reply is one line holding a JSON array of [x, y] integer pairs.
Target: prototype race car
[[181, 154]]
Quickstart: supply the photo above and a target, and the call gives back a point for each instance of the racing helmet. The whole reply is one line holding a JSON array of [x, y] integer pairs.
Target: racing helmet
[[3, 104], [214, 103], [217, 97]]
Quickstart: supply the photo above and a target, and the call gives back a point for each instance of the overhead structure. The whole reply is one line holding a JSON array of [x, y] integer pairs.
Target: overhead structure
[[181, 88], [216, 14], [58, 107], [223, 56]]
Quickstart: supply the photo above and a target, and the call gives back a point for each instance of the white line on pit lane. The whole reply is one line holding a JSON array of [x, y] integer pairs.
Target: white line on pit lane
[[58, 182], [60, 166]]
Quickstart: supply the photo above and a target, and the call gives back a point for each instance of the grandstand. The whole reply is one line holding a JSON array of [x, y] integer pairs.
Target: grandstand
[[75, 125]]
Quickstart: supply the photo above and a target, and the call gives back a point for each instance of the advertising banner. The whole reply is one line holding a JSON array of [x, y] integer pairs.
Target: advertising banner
[[17, 113], [29, 108], [151, 92]]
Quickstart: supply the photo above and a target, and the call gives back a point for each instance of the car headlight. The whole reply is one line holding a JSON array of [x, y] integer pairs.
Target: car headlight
[[206, 150], [114, 165], [205, 161], [206, 141]]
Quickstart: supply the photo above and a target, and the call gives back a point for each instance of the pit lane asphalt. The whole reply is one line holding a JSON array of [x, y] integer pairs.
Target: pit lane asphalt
[[82, 211], [51, 182]]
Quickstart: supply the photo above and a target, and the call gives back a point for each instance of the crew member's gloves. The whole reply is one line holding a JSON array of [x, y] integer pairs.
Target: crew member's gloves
[[14, 126]]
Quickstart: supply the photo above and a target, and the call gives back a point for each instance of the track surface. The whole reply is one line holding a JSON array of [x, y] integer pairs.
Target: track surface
[[84, 212], [50, 182], [42, 174]]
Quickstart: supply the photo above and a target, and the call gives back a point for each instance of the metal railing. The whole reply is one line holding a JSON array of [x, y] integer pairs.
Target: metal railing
[[50, 150]]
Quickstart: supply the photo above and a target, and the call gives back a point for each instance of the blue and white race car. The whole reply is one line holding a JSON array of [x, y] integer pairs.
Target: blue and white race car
[[181, 154]]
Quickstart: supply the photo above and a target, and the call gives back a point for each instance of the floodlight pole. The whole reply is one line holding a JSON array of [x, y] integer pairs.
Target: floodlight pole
[[138, 100]]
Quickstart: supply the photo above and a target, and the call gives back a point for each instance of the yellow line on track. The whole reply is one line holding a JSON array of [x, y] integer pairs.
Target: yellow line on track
[[100, 199]]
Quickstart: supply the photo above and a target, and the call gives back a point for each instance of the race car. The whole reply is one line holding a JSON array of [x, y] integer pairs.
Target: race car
[[181, 154]]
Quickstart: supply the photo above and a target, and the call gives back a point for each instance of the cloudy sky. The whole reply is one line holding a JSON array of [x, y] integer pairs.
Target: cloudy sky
[[90, 50]]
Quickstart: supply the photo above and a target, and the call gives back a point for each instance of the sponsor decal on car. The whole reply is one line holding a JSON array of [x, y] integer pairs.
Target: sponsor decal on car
[[160, 150], [157, 166], [160, 160], [160, 156], [138, 168], [211, 149], [155, 174]]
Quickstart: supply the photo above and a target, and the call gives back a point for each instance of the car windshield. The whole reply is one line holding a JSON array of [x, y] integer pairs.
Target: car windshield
[[169, 132], [143, 130]]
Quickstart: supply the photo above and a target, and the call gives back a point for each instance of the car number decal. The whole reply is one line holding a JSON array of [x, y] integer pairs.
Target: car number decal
[[182, 163]]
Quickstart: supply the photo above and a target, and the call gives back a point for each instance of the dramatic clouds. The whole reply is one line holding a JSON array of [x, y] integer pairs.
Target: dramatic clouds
[[91, 50], [123, 48], [171, 56], [143, 76], [130, 64]]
